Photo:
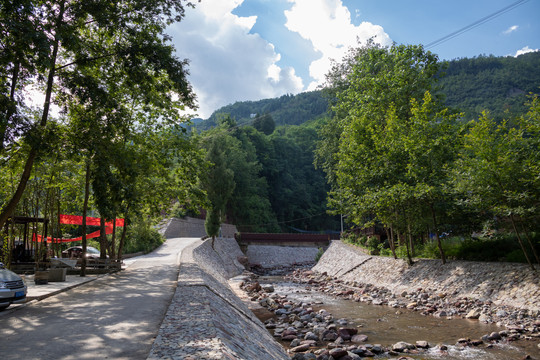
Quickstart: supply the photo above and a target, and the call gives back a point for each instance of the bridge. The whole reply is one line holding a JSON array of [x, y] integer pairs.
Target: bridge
[[304, 240], [262, 250]]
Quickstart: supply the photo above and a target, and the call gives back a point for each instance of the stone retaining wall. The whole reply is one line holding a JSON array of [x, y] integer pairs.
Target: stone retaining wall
[[192, 227], [267, 256], [206, 320], [503, 283]]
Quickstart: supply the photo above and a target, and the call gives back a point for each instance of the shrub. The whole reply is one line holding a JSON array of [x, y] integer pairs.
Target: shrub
[[141, 236], [319, 254]]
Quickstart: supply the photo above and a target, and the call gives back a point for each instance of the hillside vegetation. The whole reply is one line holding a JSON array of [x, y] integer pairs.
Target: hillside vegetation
[[419, 148], [497, 84]]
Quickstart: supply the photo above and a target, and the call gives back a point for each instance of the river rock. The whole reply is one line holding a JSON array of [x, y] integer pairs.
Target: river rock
[[337, 353], [311, 336], [309, 342], [281, 312], [359, 338], [346, 333], [473, 314], [288, 335], [295, 343], [329, 335], [353, 356], [300, 348], [270, 325], [484, 318], [476, 342], [402, 346], [412, 305], [441, 313], [268, 288], [422, 344], [253, 287], [494, 336], [244, 261]]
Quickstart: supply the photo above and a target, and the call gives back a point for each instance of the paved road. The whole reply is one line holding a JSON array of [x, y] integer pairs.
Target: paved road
[[113, 317]]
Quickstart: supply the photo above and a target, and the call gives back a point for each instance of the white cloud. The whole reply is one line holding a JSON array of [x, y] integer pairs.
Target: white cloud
[[524, 50], [228, 64], [327, 24], [511, 29]]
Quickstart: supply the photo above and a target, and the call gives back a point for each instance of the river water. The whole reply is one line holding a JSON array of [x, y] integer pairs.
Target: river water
[[385, 325]]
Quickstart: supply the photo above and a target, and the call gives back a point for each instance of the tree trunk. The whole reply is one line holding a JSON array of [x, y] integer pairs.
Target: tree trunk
[[102, 239], [409, 258], [123, 236], [112, 250], [390, 235], [535, 253], [521, 242], [122, 241], [439, 244], [10, 110], [9, 208], [85, 209], [409, 235]]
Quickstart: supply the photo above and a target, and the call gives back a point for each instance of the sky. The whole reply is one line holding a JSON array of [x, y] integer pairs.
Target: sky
[[242, 50]]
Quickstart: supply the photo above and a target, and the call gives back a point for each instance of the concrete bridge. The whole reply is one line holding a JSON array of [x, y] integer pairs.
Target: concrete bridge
[[262, 250], [306, 240]]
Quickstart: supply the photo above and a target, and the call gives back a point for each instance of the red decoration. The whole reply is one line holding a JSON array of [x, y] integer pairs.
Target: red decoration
[[78, 220]]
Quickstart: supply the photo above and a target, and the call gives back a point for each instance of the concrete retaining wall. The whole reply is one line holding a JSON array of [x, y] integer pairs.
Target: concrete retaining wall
[[192, 227], [206, 320], [503, 283], [267, 256]]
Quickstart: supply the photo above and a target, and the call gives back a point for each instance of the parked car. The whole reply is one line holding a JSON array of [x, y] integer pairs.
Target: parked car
[[75, 252], [12, 288]]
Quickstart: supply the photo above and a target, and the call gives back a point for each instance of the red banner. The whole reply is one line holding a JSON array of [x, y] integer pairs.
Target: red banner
[[95, 234], [77, 220], [92, 221]]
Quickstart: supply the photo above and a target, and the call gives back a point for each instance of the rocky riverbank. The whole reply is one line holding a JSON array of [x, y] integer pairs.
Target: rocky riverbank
[[500, 293], [312, 334], [503, 284]]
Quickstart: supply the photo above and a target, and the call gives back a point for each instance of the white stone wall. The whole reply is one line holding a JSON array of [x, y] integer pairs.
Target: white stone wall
[[273, 256], [192, 227], [503, 283]]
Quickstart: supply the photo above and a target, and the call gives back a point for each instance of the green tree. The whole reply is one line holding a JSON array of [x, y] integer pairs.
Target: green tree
[[264, 123], [369, 149], [498, 169], [218, 182], [52, 43]]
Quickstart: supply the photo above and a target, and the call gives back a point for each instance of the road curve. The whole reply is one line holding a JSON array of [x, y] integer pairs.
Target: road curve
[[113, 317]]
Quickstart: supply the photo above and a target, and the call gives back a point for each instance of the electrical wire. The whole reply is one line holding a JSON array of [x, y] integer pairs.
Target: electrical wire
[[476, 24]]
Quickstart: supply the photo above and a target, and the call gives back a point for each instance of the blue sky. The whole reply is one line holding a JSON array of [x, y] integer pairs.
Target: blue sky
[[254, 49]]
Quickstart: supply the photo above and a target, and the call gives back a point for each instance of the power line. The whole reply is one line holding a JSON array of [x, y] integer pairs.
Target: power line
[[476, 24]]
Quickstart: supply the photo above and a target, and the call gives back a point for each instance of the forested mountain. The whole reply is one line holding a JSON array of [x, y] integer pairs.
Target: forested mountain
[[285, 110], [491, 83], [271, 156], [471, 85], [272, 184]]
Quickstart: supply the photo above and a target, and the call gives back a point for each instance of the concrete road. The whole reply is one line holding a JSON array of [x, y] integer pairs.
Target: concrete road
[[113, 317]]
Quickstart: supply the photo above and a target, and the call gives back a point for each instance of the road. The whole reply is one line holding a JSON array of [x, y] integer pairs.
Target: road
[[113, 317]]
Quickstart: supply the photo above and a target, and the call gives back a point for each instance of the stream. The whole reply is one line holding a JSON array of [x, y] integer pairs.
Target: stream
[[386, 326]]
